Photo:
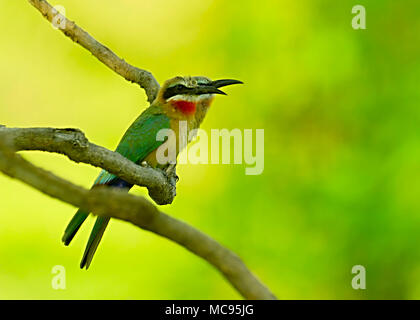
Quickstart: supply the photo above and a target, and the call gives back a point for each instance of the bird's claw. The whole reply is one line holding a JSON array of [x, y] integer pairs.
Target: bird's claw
[[170, 173], [145, 164]]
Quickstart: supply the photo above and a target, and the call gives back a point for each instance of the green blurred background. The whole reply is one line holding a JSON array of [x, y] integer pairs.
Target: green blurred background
[[340, 109]]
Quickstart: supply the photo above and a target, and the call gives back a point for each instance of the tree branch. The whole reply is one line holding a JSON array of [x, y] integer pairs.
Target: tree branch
[[74, 144], [137, 210], [142, 77]]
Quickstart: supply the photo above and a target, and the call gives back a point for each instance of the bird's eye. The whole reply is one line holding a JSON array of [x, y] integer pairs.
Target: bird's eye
[[174, 90]]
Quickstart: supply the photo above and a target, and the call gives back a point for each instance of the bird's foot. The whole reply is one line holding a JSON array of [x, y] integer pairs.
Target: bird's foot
[[145, 164], [171, 174], [170, 186]]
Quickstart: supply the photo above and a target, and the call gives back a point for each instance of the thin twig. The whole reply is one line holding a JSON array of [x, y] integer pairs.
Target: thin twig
[[142, 77]]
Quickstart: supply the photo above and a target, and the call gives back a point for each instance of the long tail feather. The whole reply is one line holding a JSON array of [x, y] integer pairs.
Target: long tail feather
[[104, 178], [80, 216], [73, 226], [94, 239]]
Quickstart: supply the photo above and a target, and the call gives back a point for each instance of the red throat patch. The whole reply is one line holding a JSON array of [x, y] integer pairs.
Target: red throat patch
[[186, 107]]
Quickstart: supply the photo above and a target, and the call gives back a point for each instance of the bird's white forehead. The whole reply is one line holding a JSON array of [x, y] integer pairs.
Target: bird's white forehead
[[191, 81]]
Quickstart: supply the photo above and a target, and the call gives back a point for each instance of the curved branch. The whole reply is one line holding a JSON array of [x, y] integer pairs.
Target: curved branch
[[142, 77], [74, 144], [137, 210]]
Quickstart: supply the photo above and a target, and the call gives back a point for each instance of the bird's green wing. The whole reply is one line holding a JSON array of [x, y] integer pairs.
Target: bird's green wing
[[138, 141]]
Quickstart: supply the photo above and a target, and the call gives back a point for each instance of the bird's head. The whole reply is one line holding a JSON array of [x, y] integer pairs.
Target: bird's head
[[186, 93]]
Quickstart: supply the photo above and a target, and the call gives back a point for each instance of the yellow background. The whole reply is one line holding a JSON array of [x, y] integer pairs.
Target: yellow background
[[340, 109]]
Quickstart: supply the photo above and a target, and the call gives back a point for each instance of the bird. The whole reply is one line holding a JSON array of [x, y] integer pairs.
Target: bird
[[179, 99]]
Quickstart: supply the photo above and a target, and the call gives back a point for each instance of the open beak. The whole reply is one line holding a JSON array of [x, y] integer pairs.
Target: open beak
[[206, 89], [212, 88], [225, 82]]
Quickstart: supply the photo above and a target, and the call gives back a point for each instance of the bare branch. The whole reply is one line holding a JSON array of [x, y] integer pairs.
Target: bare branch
[[137, 210], [74, 144], [142, 77]]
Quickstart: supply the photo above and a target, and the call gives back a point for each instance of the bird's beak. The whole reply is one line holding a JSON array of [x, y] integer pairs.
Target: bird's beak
[[212, 87], [206, 89], [224, 83]]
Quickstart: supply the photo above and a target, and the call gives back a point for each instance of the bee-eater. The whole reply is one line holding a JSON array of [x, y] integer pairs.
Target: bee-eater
[[184, 99]]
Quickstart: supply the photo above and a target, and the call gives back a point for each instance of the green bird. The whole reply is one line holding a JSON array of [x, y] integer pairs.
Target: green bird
[[185, 99]]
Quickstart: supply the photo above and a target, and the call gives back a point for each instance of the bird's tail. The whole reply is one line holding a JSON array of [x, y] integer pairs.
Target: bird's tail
[[73, 226], [94, 239], [100, 224]]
